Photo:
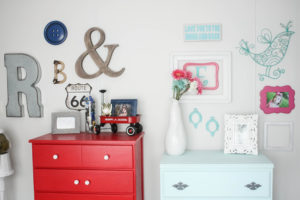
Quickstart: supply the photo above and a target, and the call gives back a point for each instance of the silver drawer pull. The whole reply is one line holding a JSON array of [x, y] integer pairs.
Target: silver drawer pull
[[106, 157], [253, 186], [76, 182], [180, 186], [55, 157], [87, 182]]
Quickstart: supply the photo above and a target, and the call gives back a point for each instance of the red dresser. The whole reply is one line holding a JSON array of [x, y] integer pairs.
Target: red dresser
[[88, 167]]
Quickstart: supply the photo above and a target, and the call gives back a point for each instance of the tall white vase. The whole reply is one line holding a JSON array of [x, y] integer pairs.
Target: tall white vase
[[175, 139]]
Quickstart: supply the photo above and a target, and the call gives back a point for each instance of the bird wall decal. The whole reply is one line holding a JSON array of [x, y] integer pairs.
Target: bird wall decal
[[273, 54]]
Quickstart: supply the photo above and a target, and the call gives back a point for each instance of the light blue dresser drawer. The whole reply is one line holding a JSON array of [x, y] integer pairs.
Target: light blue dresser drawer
[[219, 183], [211, 175]]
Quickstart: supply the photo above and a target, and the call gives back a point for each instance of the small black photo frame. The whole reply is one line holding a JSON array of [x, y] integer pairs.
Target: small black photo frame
[[124, 107]]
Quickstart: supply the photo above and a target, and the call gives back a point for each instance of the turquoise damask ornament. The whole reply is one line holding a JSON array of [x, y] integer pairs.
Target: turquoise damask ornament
[[214, 128], [195, 117], [274, 53]]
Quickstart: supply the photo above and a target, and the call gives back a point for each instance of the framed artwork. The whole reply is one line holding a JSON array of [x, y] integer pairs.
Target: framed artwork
[[124, 107], [66, 122], [241, 134], [278, 136], [277, 99], [207, 72], [214, 71]]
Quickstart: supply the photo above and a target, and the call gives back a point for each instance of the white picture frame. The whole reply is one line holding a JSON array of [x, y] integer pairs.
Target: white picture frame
[[268, 135], [66, 122], [223, 59], [241, 134]]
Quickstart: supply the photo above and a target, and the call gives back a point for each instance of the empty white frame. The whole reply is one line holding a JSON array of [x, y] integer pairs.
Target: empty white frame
[[223, 59], [278, 136]]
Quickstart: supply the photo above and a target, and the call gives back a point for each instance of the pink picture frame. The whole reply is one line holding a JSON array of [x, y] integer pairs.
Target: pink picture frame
[[186, 65], [278, 99]]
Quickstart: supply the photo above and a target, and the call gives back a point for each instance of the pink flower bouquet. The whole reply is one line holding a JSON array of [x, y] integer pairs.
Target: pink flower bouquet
[[183, 82]]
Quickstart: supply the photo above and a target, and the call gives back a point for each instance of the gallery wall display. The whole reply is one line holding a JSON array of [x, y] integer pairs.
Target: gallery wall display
[[241, 134], [76, 94], [202, 32], [277, 99], [214, 71], [19, 83], [59, 72], [103, 65], [273, 54], [55, 32]]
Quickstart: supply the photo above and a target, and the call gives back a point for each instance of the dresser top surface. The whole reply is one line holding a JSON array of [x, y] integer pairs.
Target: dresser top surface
[[87, 138], [213, 157]]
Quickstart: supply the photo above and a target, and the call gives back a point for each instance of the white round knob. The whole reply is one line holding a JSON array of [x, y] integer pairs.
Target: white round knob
[[76, 182], [87, 182], [55, 156], [106, 157]]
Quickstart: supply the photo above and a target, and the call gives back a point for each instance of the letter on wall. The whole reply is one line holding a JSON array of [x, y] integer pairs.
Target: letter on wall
[[17, 84]]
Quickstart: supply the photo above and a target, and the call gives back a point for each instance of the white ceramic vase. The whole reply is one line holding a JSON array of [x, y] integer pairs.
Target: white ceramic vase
[[175, 139]]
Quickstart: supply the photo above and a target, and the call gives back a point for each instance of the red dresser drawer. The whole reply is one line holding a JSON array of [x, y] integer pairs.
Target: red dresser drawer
[[49, 156], [51, 180], [59, 196], [107, 157]]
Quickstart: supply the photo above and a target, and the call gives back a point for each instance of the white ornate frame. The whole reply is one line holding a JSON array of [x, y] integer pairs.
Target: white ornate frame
[[249, 144], [288, 147], [224, 58]]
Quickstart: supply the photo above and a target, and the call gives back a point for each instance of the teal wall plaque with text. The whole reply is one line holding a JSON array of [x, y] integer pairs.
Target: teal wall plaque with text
[[202, 32]]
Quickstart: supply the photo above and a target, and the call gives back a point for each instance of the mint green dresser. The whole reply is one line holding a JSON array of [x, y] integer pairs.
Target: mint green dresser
[[213, 175]]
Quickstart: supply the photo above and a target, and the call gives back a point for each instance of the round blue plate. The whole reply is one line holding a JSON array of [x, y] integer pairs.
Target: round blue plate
[[55, 32]]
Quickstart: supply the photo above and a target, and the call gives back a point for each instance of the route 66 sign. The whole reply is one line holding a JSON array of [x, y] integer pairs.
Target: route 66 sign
[[76, 94]]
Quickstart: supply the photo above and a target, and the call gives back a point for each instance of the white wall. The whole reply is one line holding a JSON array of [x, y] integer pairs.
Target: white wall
[[148, 31]]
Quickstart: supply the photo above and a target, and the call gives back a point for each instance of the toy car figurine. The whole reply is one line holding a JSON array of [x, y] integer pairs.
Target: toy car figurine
[[133, 121]]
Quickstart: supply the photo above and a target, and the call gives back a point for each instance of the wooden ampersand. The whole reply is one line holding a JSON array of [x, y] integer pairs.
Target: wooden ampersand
[[59, 71], [91, 50]]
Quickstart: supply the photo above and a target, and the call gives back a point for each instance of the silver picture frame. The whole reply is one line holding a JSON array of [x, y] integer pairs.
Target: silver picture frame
[[65, 122]]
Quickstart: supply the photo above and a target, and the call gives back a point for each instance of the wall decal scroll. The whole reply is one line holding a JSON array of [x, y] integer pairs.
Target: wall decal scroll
[[277, 99], [212, 129], [195, 117], [273, 54], [16, 85], [59, 71], [76, 95], [91, 50]]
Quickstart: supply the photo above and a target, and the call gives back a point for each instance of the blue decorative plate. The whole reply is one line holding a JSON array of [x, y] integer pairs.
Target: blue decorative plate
[[55, 32]]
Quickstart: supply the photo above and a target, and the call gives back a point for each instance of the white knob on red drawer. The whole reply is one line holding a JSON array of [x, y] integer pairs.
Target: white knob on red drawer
[[55, 156], [87, 182], [76, 182], [106, 157]]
